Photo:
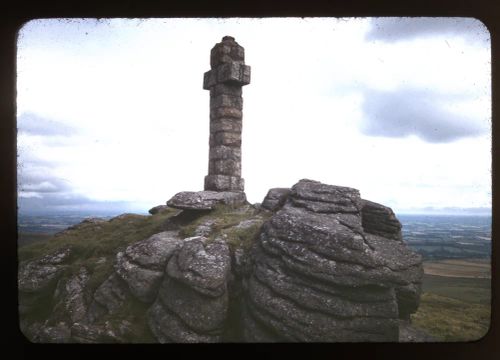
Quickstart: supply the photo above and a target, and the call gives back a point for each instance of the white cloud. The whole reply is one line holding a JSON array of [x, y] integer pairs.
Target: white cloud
[[132, 92], [29, 194]]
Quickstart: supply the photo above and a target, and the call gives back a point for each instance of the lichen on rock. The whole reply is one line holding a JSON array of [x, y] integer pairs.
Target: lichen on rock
[[142, 264], [192, 303]]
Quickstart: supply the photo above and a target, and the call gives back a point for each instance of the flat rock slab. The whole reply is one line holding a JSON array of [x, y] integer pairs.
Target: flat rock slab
[[206, 200]]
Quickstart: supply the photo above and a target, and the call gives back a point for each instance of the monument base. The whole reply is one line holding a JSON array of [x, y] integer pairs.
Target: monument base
[[206, 200]]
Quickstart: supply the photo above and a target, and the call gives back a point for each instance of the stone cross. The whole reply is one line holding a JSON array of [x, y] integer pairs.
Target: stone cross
[[225, 79]]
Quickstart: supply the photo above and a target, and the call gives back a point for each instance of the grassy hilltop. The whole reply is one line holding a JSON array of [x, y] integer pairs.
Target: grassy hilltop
[[94, 245], [455, 304]]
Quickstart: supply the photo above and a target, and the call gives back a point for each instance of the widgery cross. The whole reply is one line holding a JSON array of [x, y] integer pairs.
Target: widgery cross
[[225, 80]]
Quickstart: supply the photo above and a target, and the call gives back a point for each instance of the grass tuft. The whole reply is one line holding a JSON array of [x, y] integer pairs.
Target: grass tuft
[[243, 237], [449, 319], [225, 219], [89, 241]]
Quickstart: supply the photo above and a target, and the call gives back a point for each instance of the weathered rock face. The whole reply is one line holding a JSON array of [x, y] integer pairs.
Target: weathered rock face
[[318, 276], [275, 198], [380, 220], [380, 224], [206, 200], [108, 297], [142, 264], [73, 296], [193, 300], [37, 278], [37, 275]]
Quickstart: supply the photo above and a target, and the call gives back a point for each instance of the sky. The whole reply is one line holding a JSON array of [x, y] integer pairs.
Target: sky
[[112, 116]]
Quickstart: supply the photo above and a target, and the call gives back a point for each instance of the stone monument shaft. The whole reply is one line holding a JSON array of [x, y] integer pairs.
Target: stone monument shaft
[[225, 80]]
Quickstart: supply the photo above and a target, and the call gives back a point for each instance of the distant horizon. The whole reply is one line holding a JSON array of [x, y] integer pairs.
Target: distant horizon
[[479, 214], [446, 211]]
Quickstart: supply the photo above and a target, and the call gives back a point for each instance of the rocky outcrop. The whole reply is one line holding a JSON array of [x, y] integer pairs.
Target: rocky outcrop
[[206, 200], [193, 300], [37, 278], [316, 264], [325, 199], [142, 264], [317, 276], [275, 198]]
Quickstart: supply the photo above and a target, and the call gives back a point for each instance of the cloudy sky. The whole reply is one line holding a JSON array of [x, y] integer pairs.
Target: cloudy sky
[[112, 115]]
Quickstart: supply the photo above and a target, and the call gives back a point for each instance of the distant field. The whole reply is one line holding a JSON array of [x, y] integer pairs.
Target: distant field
[[454, 307], [465, 268]]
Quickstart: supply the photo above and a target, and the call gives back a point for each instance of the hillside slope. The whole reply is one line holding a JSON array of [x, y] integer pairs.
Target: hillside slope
[[312, 263]]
